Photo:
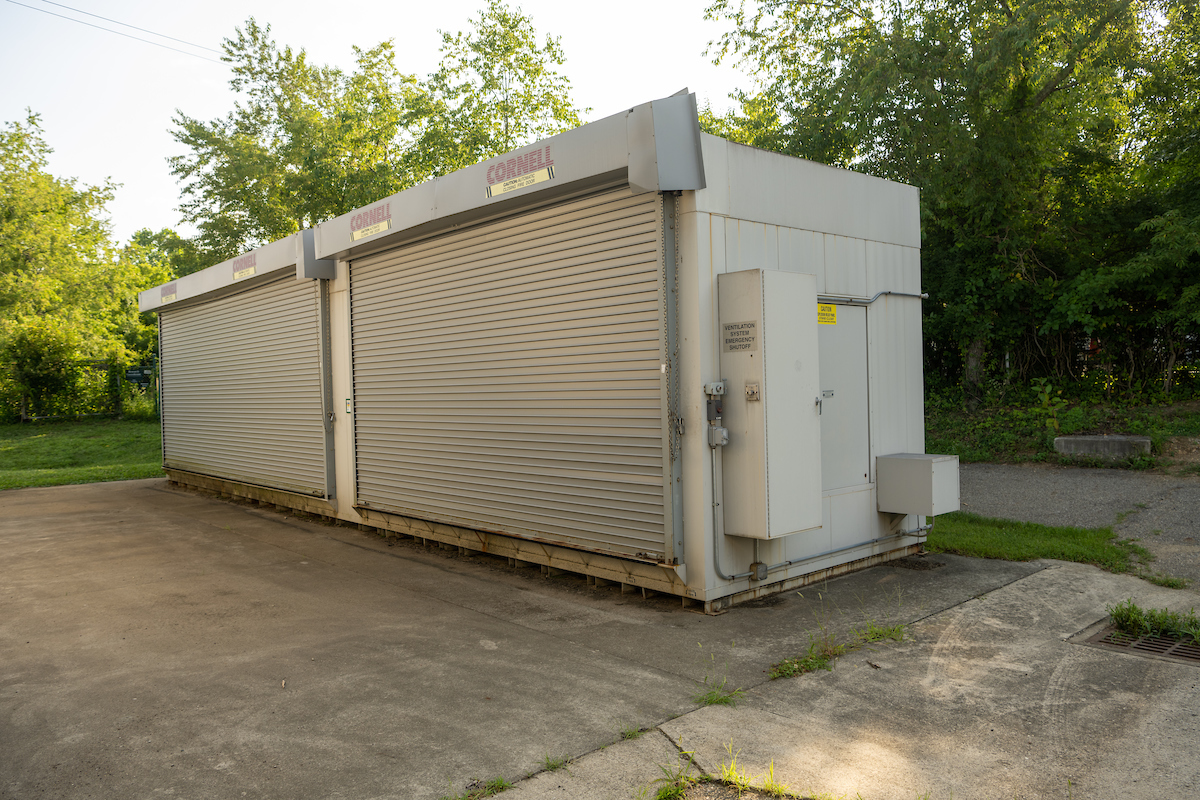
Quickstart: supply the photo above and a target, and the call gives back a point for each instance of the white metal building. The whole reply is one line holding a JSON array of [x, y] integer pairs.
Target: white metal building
[[632, 350]]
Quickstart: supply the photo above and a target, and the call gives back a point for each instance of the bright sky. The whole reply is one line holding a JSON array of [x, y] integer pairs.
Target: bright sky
[[106, 101]]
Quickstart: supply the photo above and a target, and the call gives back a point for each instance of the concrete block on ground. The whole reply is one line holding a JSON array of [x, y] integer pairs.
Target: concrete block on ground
[[1115, 446]]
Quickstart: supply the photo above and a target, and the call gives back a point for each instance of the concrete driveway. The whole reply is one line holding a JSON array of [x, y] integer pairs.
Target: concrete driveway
[[162, 643]]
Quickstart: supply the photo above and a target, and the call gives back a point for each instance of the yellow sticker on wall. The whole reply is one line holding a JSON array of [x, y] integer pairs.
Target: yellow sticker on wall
[[826, 314]]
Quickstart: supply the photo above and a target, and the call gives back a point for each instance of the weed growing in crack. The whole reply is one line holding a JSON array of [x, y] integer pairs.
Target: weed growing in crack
[[714, 693], [631, 732], [676, 780], [477, 789], [552, 764]]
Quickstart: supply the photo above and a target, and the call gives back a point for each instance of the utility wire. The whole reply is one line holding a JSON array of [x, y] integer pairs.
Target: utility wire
[[135, 27], [118, 33]]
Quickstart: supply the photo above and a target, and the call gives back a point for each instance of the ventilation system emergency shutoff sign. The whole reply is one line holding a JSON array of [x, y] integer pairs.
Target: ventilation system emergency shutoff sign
[[739, 337]]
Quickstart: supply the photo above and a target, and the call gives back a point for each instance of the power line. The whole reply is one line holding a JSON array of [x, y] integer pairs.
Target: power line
[[118, 33], [135, 27]]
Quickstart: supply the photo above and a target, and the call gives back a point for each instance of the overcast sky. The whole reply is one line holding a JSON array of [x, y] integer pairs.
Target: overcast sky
[[106, 101]]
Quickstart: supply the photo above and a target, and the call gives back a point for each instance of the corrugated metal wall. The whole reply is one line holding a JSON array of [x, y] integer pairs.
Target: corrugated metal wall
[[507, 377], [241, 387]]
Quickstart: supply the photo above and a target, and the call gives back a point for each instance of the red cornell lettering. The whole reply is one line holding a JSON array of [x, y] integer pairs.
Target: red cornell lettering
[[510, 168], [491, 169], [549, 160]]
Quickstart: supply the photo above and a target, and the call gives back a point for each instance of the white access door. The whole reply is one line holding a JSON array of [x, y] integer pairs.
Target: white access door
[[845, 428], [508, 377]]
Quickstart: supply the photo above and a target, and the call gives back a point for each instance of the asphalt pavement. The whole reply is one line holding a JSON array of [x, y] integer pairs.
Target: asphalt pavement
[[164, 643]]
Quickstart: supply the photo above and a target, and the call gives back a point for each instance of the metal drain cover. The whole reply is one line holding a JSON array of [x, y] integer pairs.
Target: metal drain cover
[[1109, 638]]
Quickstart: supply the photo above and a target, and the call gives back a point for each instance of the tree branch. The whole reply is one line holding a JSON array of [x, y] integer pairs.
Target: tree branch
[[1073, 56]]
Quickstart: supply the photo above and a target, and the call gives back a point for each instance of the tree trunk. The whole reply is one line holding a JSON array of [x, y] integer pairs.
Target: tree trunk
[[973, 374], [1170, 374]]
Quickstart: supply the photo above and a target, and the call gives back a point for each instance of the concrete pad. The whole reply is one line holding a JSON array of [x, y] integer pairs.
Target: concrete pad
[[162, 642], [1104, 446], [159, 642], [988, 700]]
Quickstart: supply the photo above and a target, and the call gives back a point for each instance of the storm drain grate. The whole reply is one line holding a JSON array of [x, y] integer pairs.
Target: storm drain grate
[[1179, 650]]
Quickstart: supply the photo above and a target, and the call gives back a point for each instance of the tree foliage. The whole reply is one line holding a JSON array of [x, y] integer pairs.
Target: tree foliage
[[305, 143], [57, 260], [1051, 148], [496, 89]]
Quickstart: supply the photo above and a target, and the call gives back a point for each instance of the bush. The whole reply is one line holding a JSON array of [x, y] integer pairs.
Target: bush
[[41, 365]]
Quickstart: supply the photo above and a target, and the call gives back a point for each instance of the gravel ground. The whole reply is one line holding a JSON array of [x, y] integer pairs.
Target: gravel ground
[[1161, 511]]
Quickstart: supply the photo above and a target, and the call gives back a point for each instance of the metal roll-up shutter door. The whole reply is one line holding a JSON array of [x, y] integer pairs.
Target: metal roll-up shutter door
[[508, 377], [242, 390]]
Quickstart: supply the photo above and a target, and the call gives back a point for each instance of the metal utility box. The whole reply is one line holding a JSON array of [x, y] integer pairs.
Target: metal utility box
[[631, 350], [771, 476], [918, 483]]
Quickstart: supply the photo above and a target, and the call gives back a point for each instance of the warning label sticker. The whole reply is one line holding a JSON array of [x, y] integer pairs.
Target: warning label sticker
[[826, 314], [371, 230], [739, 337], [521, 181]]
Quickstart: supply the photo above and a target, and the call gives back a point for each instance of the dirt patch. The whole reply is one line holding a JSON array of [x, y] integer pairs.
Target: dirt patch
[[1182, 450], [722, 791]]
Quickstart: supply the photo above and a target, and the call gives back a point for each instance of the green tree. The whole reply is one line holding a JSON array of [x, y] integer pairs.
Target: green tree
[[305, 143], [496, 89], [57, 260], [1018, 121]]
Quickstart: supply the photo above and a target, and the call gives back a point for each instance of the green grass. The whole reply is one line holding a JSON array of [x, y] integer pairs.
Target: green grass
[[1131, 619], [968, 534], [56, 453], [1018, 433]]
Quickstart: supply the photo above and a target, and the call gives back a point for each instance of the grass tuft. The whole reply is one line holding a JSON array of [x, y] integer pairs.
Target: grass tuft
[[1133, 620], [552, 764], [718, 695], [676, 780], [629, 732], [1166, 581], [477, 790]]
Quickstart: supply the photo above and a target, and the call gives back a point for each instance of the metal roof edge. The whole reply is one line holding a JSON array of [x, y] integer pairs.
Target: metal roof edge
[[656, 143], [269, 258]]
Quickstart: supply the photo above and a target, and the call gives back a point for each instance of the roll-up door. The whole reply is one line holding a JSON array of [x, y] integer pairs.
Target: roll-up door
[[242, 387], [508, 377]]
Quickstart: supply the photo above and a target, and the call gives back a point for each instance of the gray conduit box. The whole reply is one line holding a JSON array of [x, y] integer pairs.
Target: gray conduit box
[[917, 483]]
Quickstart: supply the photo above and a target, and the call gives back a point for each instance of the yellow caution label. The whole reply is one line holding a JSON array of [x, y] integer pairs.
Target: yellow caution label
[[826, 314], [243, 273], [521, 181], [167, 298]]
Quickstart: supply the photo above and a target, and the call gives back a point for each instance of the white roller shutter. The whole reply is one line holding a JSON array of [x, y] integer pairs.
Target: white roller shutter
[[242, 387], [508, 377]]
